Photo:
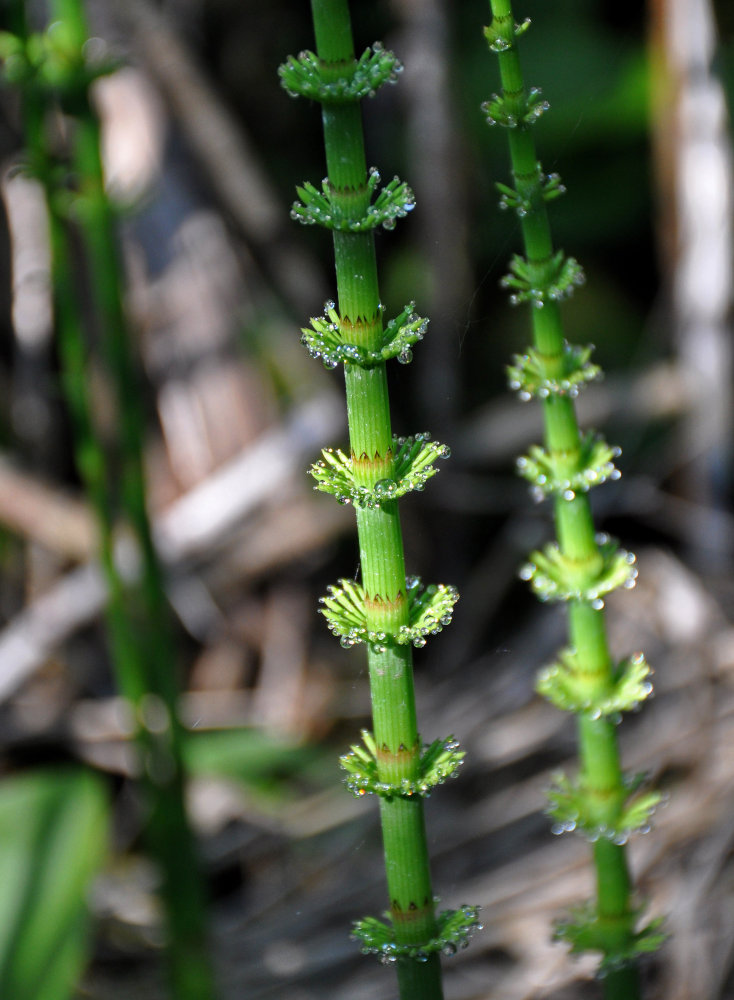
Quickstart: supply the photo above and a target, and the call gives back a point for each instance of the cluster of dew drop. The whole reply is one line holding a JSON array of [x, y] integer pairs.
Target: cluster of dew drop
[[537, 106], [417, 451], [498, 43], [567, 688], [303, 76], [496, 110], [528, 378], [539, 469], [439, 761], [413, 467], [634, 675], [583, 931], [401, 334], [375, 66], [549, 187], [570, 276], [568, 807], [394, 202], [430, 610], [551, 580], [600, 832], [324, 339], [454, 931], [316, 207]]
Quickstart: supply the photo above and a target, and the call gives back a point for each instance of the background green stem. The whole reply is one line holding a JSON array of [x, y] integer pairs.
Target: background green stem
[[600, 774], [139, 628]]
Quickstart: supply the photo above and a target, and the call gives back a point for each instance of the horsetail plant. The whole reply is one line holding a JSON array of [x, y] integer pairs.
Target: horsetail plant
[[387, 611], [582, 566], [51, 71]]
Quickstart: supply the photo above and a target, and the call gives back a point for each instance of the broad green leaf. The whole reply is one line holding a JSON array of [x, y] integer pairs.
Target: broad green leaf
[[53, 837]]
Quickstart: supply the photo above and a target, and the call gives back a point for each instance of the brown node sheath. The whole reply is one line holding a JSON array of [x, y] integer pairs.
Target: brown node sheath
[[360, 330], [378, 467], [379, 605], [413, 914], [386, 756]]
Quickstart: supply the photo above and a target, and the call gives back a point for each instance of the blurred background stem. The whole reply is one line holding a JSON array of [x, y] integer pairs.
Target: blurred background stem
[[140, 631]]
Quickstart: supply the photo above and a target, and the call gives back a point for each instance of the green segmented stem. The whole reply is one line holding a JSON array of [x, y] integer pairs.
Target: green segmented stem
[[139, 629], [601, 779], [393, 765], [380, 536]]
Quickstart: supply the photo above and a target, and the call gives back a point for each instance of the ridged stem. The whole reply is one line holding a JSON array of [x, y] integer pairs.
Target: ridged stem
[[600, 773], [380, 538]]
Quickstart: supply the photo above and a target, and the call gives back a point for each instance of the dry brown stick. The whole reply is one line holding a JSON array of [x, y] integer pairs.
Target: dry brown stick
[[45, 514], [220, 143], [200, 520]]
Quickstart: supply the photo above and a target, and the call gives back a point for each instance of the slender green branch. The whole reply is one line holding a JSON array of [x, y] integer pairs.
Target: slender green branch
[[387, 612], [583, 565], [141, 639]]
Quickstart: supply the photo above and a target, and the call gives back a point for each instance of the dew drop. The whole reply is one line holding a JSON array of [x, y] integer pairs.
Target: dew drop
[[386, 488]]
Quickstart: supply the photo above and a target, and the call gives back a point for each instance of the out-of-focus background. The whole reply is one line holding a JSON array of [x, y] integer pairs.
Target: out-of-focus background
[[203, 150]]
